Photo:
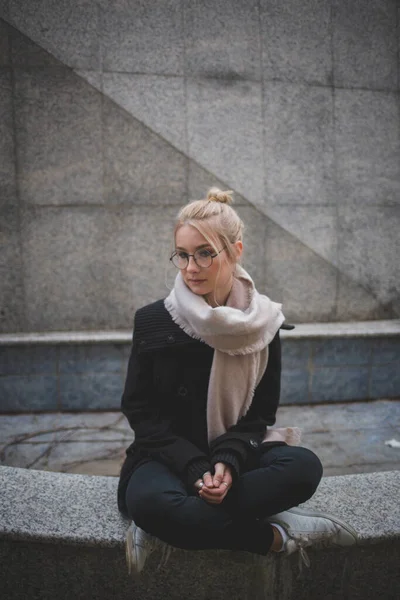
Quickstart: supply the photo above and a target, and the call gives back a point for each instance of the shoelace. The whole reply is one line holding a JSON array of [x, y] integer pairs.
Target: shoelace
[[299, 545], [166, 550], [301, 542], [303, 558]]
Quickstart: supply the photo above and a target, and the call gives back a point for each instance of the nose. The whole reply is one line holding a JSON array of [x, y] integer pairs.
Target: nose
[[192, 267]]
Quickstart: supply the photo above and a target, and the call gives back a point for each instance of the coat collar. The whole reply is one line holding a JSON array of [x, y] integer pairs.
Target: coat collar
[[155, 329]]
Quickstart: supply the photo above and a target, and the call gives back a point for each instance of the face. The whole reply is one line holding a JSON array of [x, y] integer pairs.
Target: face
[[212, 282]]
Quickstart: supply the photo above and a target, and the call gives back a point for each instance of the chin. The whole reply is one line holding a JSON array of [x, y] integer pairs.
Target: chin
[[199, 289]]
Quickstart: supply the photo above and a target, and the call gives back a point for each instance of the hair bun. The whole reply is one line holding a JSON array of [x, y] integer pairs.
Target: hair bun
[[217, 195]]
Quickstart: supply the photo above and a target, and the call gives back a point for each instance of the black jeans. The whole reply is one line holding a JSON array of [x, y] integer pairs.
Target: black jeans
[[159, 502]]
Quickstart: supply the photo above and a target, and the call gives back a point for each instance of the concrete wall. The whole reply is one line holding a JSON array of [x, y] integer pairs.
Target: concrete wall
[[113, 114]]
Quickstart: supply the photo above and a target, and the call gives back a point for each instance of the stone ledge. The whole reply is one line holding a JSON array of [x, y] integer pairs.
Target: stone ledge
[[65, 337], [62, 536], [388, 328], [64, 507], [352, 329]]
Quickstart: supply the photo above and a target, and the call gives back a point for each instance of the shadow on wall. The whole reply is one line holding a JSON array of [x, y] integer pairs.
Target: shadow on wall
[[87, 216]]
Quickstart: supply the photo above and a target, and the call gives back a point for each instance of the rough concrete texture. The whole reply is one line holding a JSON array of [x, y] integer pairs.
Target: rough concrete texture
[[140, 167], [65, 534], [365, 136], [142, 37], [154, 99], [242, 93], [225, 132], [296, 44], [353, 36], [356, 238], [312, 219], [299, 148], [58, 136], [222, 39], [12, 305], [7, 165], [62, 30], [115, 243]]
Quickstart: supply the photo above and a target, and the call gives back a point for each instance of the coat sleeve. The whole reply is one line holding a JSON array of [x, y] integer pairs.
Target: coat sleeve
[[244, 438], [153, 433]]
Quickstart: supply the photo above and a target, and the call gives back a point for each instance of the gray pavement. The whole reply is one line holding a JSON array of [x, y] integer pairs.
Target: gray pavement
[[348, 438]]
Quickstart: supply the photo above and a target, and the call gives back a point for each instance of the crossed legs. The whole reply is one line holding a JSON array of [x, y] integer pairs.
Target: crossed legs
[[160, 504]]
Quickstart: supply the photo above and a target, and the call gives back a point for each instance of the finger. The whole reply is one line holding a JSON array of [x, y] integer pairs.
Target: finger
[[213, 498], [219, 474], [213, 492], [227, 478], [226, 484], [208, 480]]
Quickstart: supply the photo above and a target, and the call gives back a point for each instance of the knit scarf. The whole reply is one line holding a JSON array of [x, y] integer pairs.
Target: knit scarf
[[240, 333]]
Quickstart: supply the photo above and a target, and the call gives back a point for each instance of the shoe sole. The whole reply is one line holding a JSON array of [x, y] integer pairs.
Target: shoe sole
[[314, 513]]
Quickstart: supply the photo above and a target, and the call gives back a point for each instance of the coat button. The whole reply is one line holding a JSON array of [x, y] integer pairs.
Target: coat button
[[170, 339], [254, 443], [182, 391]]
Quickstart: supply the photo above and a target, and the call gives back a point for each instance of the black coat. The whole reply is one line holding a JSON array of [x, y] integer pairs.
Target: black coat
[[165, 400]]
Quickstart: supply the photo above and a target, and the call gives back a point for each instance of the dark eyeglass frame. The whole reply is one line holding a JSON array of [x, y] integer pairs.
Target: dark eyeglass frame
[[212, 256]]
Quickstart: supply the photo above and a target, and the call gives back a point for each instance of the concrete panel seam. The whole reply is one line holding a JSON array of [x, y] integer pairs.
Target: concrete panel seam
[[17, 181]]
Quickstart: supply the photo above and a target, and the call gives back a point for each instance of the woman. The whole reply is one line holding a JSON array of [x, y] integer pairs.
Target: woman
[[202, 390]]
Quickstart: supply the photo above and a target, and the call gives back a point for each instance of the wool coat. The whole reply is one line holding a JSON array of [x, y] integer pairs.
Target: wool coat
[[165, 402]]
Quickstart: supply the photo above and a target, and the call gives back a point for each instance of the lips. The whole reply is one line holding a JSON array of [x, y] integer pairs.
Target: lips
[[196, 280]]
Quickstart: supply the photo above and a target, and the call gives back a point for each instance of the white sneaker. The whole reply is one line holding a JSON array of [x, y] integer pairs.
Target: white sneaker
[[306, 527], [139, 545]]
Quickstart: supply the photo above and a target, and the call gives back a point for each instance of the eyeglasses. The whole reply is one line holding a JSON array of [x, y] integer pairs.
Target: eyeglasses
[[202, 258]]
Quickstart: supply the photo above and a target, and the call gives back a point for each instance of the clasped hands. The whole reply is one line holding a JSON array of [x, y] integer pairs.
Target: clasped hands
[[214, 488]]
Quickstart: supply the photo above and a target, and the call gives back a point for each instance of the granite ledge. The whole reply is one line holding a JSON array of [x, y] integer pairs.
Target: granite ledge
[[369, 502], [352, 329], [59, 508], [367, 329], [66, 337]]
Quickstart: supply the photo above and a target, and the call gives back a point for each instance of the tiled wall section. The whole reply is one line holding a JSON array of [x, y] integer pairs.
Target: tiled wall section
[[91, 376], [330, 370], [62, 377]]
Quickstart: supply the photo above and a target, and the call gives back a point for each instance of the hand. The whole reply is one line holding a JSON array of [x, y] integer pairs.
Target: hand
[[206, 480], [216, 486]]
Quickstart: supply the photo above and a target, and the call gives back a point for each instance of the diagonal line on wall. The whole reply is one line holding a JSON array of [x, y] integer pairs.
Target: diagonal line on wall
[[94, 79]]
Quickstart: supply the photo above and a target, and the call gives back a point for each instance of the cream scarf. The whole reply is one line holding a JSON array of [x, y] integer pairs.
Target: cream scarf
[[240, 333]]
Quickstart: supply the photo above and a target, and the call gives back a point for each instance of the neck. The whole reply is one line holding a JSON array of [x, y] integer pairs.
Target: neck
[[220, 296]]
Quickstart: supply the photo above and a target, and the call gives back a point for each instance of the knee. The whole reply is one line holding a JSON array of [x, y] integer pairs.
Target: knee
[[309, 467], [303, 464], [147, 505]]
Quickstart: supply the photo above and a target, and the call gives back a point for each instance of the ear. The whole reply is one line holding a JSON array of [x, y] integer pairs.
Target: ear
[[239, 249]]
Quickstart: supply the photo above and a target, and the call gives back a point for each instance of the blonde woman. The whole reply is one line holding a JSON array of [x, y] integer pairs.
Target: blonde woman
[[202, 390]]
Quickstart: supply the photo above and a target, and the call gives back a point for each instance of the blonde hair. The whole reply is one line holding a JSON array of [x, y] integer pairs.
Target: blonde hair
[[215, 219]]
